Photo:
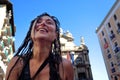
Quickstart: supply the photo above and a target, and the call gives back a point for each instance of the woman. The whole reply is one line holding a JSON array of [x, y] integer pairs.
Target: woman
[[39, 57]]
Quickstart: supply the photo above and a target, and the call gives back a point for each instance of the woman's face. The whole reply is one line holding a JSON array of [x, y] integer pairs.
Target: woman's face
[[44, 29]]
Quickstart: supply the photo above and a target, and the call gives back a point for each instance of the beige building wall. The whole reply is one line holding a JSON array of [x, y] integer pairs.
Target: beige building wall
[[109, 38]]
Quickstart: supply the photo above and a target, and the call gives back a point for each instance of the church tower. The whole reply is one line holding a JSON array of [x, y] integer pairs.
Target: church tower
[[82, 63], [78, 55]]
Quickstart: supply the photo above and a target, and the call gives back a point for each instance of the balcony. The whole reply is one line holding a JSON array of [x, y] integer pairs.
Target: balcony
[[105, 45], [118, 31], [117, 49], [113, 70]]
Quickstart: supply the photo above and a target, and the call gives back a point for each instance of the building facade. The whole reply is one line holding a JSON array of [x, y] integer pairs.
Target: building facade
[[78, 55], [7, 33], [109, 38]]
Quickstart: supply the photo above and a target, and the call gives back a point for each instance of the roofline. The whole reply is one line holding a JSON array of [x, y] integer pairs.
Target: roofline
[[9, 7], [114, 5]]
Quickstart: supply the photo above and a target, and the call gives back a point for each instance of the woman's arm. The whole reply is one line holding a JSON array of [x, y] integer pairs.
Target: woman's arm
[[68, 69]]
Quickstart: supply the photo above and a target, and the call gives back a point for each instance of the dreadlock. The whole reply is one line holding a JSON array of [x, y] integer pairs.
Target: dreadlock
[[27, 45]]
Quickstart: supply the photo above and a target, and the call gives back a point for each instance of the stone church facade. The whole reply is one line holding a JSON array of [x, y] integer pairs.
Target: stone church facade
[[78, 55]]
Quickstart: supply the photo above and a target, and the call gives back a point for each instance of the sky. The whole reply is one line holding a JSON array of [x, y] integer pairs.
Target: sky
[[80, 17]]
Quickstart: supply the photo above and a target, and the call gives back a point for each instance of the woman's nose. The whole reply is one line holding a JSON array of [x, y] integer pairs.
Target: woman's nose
[[43, 24]]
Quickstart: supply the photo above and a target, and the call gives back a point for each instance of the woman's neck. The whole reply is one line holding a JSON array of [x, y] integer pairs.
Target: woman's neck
[[41, 51]]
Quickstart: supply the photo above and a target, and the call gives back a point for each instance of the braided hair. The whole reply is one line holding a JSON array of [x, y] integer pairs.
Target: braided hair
[[26, 48]]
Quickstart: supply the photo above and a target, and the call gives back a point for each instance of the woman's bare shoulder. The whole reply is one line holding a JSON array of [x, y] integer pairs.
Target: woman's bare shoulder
[[15, 60], [14, 67]]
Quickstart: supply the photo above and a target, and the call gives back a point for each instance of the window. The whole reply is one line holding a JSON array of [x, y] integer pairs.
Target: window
[[112, 35], [105, 40], [102, 33], [113, 70], [79, 60], [115, 44], [109, 25], [111, 32], [109, 56], [108, 50], [112, 65], [117, 49], [118, 25], [115, 78], [115, 17]]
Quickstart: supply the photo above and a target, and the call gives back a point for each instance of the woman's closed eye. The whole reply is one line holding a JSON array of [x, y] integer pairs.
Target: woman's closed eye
[[49, 22]]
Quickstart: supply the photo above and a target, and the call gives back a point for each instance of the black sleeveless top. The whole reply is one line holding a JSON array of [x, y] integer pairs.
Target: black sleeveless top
[[54, 72]]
